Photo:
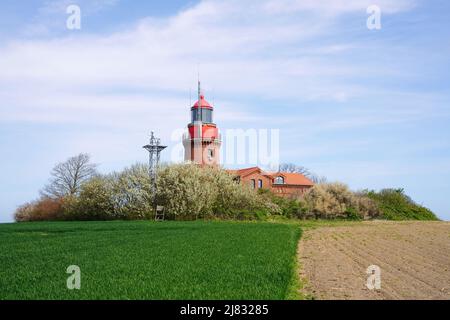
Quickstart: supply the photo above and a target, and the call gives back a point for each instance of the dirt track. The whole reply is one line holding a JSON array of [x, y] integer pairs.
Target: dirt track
[[414, 258]]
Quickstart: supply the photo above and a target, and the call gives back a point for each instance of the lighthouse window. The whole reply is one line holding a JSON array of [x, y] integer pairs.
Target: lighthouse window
[[204, 115], [195, 115], [207, 115]]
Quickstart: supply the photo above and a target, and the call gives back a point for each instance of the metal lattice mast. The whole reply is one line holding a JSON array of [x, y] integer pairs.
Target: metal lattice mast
[[154, 148]]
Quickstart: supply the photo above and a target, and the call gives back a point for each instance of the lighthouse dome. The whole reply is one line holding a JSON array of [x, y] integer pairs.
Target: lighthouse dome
[[202, 103]]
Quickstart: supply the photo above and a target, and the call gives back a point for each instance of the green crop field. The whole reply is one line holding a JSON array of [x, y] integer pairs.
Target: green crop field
[[148, 260]]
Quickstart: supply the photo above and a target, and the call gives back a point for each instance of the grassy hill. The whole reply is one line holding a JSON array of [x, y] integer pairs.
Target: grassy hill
[[147, 260]]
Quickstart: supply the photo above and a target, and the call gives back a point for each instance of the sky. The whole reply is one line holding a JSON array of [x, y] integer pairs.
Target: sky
[[369, 108]]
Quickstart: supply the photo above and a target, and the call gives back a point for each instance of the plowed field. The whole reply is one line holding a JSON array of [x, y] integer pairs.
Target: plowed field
[[414, 259]]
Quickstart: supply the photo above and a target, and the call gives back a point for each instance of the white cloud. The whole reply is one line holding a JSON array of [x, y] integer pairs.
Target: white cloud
[[336, 7], [241, 48], [124, 84]]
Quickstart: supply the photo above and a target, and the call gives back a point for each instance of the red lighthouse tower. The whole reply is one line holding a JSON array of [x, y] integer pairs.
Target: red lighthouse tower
[[202, 142]]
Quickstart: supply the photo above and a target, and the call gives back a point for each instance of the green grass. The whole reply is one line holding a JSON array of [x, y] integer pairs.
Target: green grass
[[147, 260]]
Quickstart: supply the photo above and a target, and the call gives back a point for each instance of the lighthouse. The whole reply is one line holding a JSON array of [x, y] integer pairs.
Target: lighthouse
[[202, 141]]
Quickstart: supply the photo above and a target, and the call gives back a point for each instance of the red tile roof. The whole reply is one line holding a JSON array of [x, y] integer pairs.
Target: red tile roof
[[294, 178], [289, 178], [244, 172]]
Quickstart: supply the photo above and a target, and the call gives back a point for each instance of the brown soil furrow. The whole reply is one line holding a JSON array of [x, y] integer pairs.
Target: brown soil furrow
[[424, 249], [337, 277], [390, 271], [440, 246], [363, 261], [440, 259], [435, 268], [416, 267], [414, 258]]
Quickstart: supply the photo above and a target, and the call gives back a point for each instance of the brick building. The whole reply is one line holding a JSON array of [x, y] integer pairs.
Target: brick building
[[289, 185], [202, 146]]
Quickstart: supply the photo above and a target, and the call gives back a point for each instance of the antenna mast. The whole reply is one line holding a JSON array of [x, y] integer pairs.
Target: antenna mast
[[199, 98], [154, 149]]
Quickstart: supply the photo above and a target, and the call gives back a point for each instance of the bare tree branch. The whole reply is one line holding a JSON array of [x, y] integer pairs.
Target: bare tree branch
[[293, 168], [67, 177]]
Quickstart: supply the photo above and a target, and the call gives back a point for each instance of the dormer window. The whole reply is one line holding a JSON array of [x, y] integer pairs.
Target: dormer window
[[279, 180]]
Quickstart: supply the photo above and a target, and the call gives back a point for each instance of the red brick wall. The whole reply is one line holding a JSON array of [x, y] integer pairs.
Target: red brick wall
[[266, 182], [288, 191]]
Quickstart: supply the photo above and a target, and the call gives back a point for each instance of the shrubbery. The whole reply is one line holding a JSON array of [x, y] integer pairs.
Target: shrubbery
[[287, 207], [45, 209], [188, 191], [121, 195], [94, 202], [396, 205], [336, 200]]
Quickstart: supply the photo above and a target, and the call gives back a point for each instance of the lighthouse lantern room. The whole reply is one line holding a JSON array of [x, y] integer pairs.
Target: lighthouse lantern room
[[202, 141]]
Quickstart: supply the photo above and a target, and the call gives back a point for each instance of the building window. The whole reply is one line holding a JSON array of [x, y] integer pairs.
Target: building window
[[260, 184], [279, 180], [253, 183], [210, 154]]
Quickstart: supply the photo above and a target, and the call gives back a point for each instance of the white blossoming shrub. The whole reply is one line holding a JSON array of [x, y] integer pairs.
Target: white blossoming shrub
[[94, 202], [121, 195], [189, 191], [131, 193], [336, 200], [185, 190]]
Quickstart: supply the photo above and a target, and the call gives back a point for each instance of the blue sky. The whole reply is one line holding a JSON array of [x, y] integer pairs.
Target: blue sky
[[366, 107]]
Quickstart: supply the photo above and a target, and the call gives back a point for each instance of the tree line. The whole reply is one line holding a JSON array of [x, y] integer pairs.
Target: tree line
[[77, 191]]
